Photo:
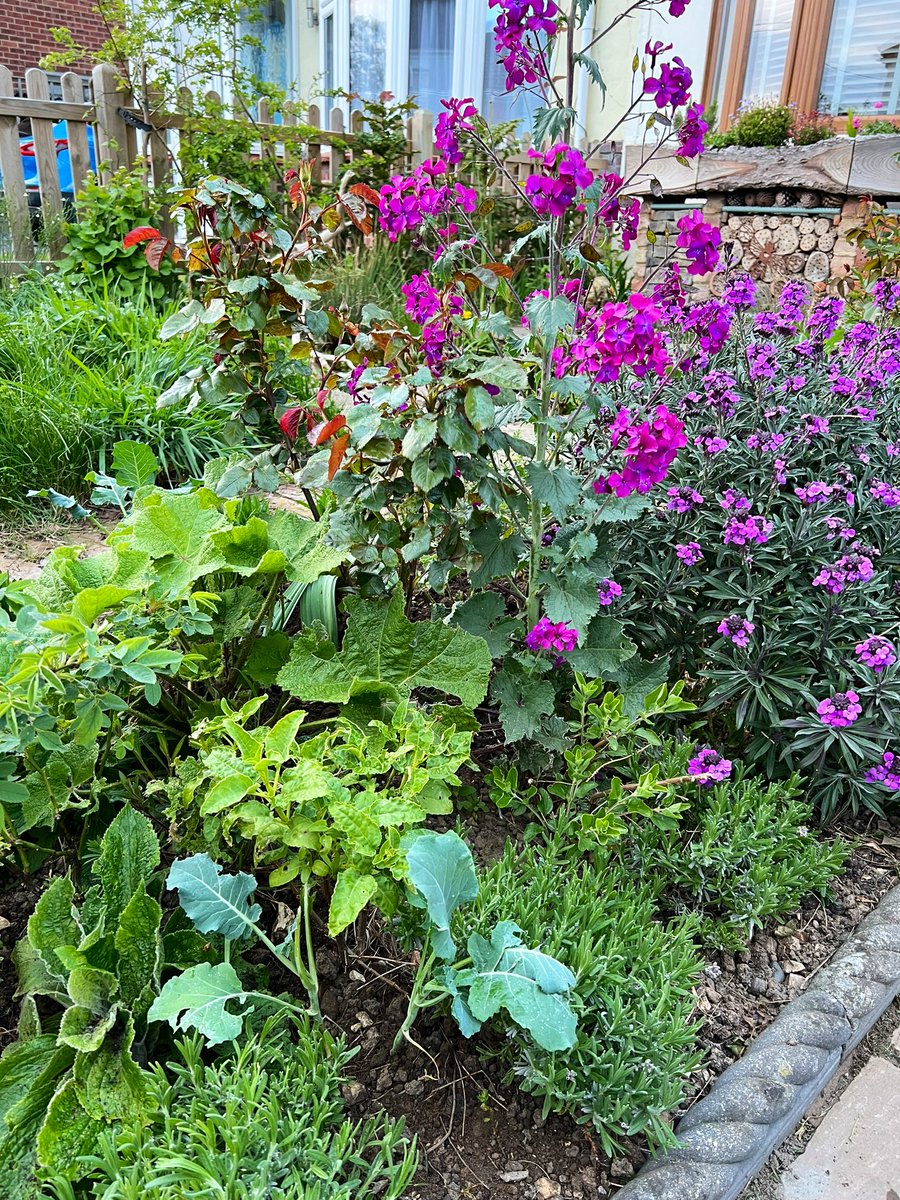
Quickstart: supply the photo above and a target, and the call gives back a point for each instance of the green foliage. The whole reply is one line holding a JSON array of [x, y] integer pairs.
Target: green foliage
[[94, 971], [98, 653], [94, 252], [763, 124], [81, 369], [633, 991], [743, 855], [810, 127], [265, 1115], [500, 973]]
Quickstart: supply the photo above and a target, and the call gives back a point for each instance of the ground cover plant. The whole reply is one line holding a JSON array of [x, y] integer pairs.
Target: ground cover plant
[[294, 707]]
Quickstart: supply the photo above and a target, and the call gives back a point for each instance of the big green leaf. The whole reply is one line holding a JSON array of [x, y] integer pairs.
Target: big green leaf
[[137, 941], [442, 872], [216, 903], [109, 1083], [23, 1107], [382, 647], [636, 679], [528, 984], [571, 597], [523, 701], [547, 317], [604, 648], [497, 551], [484, 615], [501, 372], [176, 531], [303, 545], [351, 894], [68, 1134], [246, 549], [554, 487], [129, 854], [83, 1029], [134, 465], [52, 924], [196, 999]]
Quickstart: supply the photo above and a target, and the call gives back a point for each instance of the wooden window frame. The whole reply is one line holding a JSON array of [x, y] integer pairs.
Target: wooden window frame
[[805, 61]]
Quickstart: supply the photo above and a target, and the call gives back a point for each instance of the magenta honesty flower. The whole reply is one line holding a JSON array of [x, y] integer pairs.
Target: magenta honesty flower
[[609, 591], [737, 628], [671, 85], [739, 531], [516, 52], [408, 201], [740, 292], [699, 241], [886, 493], [551, 194], [689, 552], [816, 492], [457, 119], [690, 134], [885, 773], [422, 300], [617, 335], [850, 568], [683, 499], [839, 710], [649, 448], [677, 7], [615, 209], [709, 766], [547, 635], [876, 652]]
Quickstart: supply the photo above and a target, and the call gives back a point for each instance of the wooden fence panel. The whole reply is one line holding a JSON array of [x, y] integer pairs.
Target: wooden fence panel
[[16, 201], [76, 132], [45, 160], [112, 136]]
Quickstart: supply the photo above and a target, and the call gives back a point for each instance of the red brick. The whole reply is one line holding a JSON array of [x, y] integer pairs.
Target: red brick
[[25, 30]]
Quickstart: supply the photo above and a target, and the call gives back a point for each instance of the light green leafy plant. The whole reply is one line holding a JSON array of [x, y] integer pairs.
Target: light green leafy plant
[[498, 974]]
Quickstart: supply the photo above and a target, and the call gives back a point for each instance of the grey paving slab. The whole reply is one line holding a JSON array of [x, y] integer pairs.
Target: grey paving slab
[[855, 1152]]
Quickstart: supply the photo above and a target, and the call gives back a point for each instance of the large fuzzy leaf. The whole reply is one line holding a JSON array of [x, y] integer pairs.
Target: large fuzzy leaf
[[138, 943], [29, 1076], [134, 465], [382, 647], [68, 1134], [52, 924], [196, 999], [176, 531], [442, 872], [109, 1083], [216, 903], [129, 854], [302, 544]]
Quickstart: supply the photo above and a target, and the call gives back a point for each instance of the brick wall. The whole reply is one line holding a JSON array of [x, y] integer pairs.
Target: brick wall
[[25, 30]]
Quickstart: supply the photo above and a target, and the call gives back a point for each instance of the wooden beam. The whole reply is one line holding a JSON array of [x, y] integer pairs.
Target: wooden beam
[[810, 31], [742, 29]]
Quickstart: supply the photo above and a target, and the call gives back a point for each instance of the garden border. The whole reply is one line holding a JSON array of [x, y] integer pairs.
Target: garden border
[[726, 1138]]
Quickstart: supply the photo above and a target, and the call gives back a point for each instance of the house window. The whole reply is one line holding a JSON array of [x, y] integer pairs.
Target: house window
[[861, 60], [267, 53], [431, 36], [770, 34], [368, 47], [834, 55]]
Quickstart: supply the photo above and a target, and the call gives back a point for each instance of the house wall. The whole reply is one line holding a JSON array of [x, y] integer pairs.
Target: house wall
[[25, 30], [689, 35]]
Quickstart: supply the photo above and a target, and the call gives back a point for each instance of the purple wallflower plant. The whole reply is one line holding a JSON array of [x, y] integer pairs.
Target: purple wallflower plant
[[886, 493], [740, 292], [683, 499], [816, 492], [689, 552], [709, 766], [885, 773], [739, 531], [876, 652], [839, 710], [737, 628]]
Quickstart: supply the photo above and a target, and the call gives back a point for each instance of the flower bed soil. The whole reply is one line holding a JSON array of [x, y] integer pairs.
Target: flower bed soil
[[479, 1138]]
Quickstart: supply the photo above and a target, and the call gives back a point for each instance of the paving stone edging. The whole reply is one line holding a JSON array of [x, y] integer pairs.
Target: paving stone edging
[[726, 1137]]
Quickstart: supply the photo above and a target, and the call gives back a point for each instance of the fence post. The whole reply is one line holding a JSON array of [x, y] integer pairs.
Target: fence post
[[338, 155], [76, 131], [315, 151], [45, 157], [14, 179], [111, 131]]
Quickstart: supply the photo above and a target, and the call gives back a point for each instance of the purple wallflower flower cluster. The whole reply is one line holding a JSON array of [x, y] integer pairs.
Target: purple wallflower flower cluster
[[549, 635], [886, 294], [683, 499], [886, 493], [740, 292], [739, 531], [649, 449], [711, 443], [608, 591], [565, 172], [737, 628], [876, 652], [709, 766], [816, 492], [761, 359], [690, 553], [765, 441], [839, 710], [850, 568], [885, 773]]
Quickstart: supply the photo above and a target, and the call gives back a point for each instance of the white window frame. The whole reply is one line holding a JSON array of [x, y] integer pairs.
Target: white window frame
[[339, 11]]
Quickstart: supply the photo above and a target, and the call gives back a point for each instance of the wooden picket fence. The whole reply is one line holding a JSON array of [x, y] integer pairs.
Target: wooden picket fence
[[124, 132]]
